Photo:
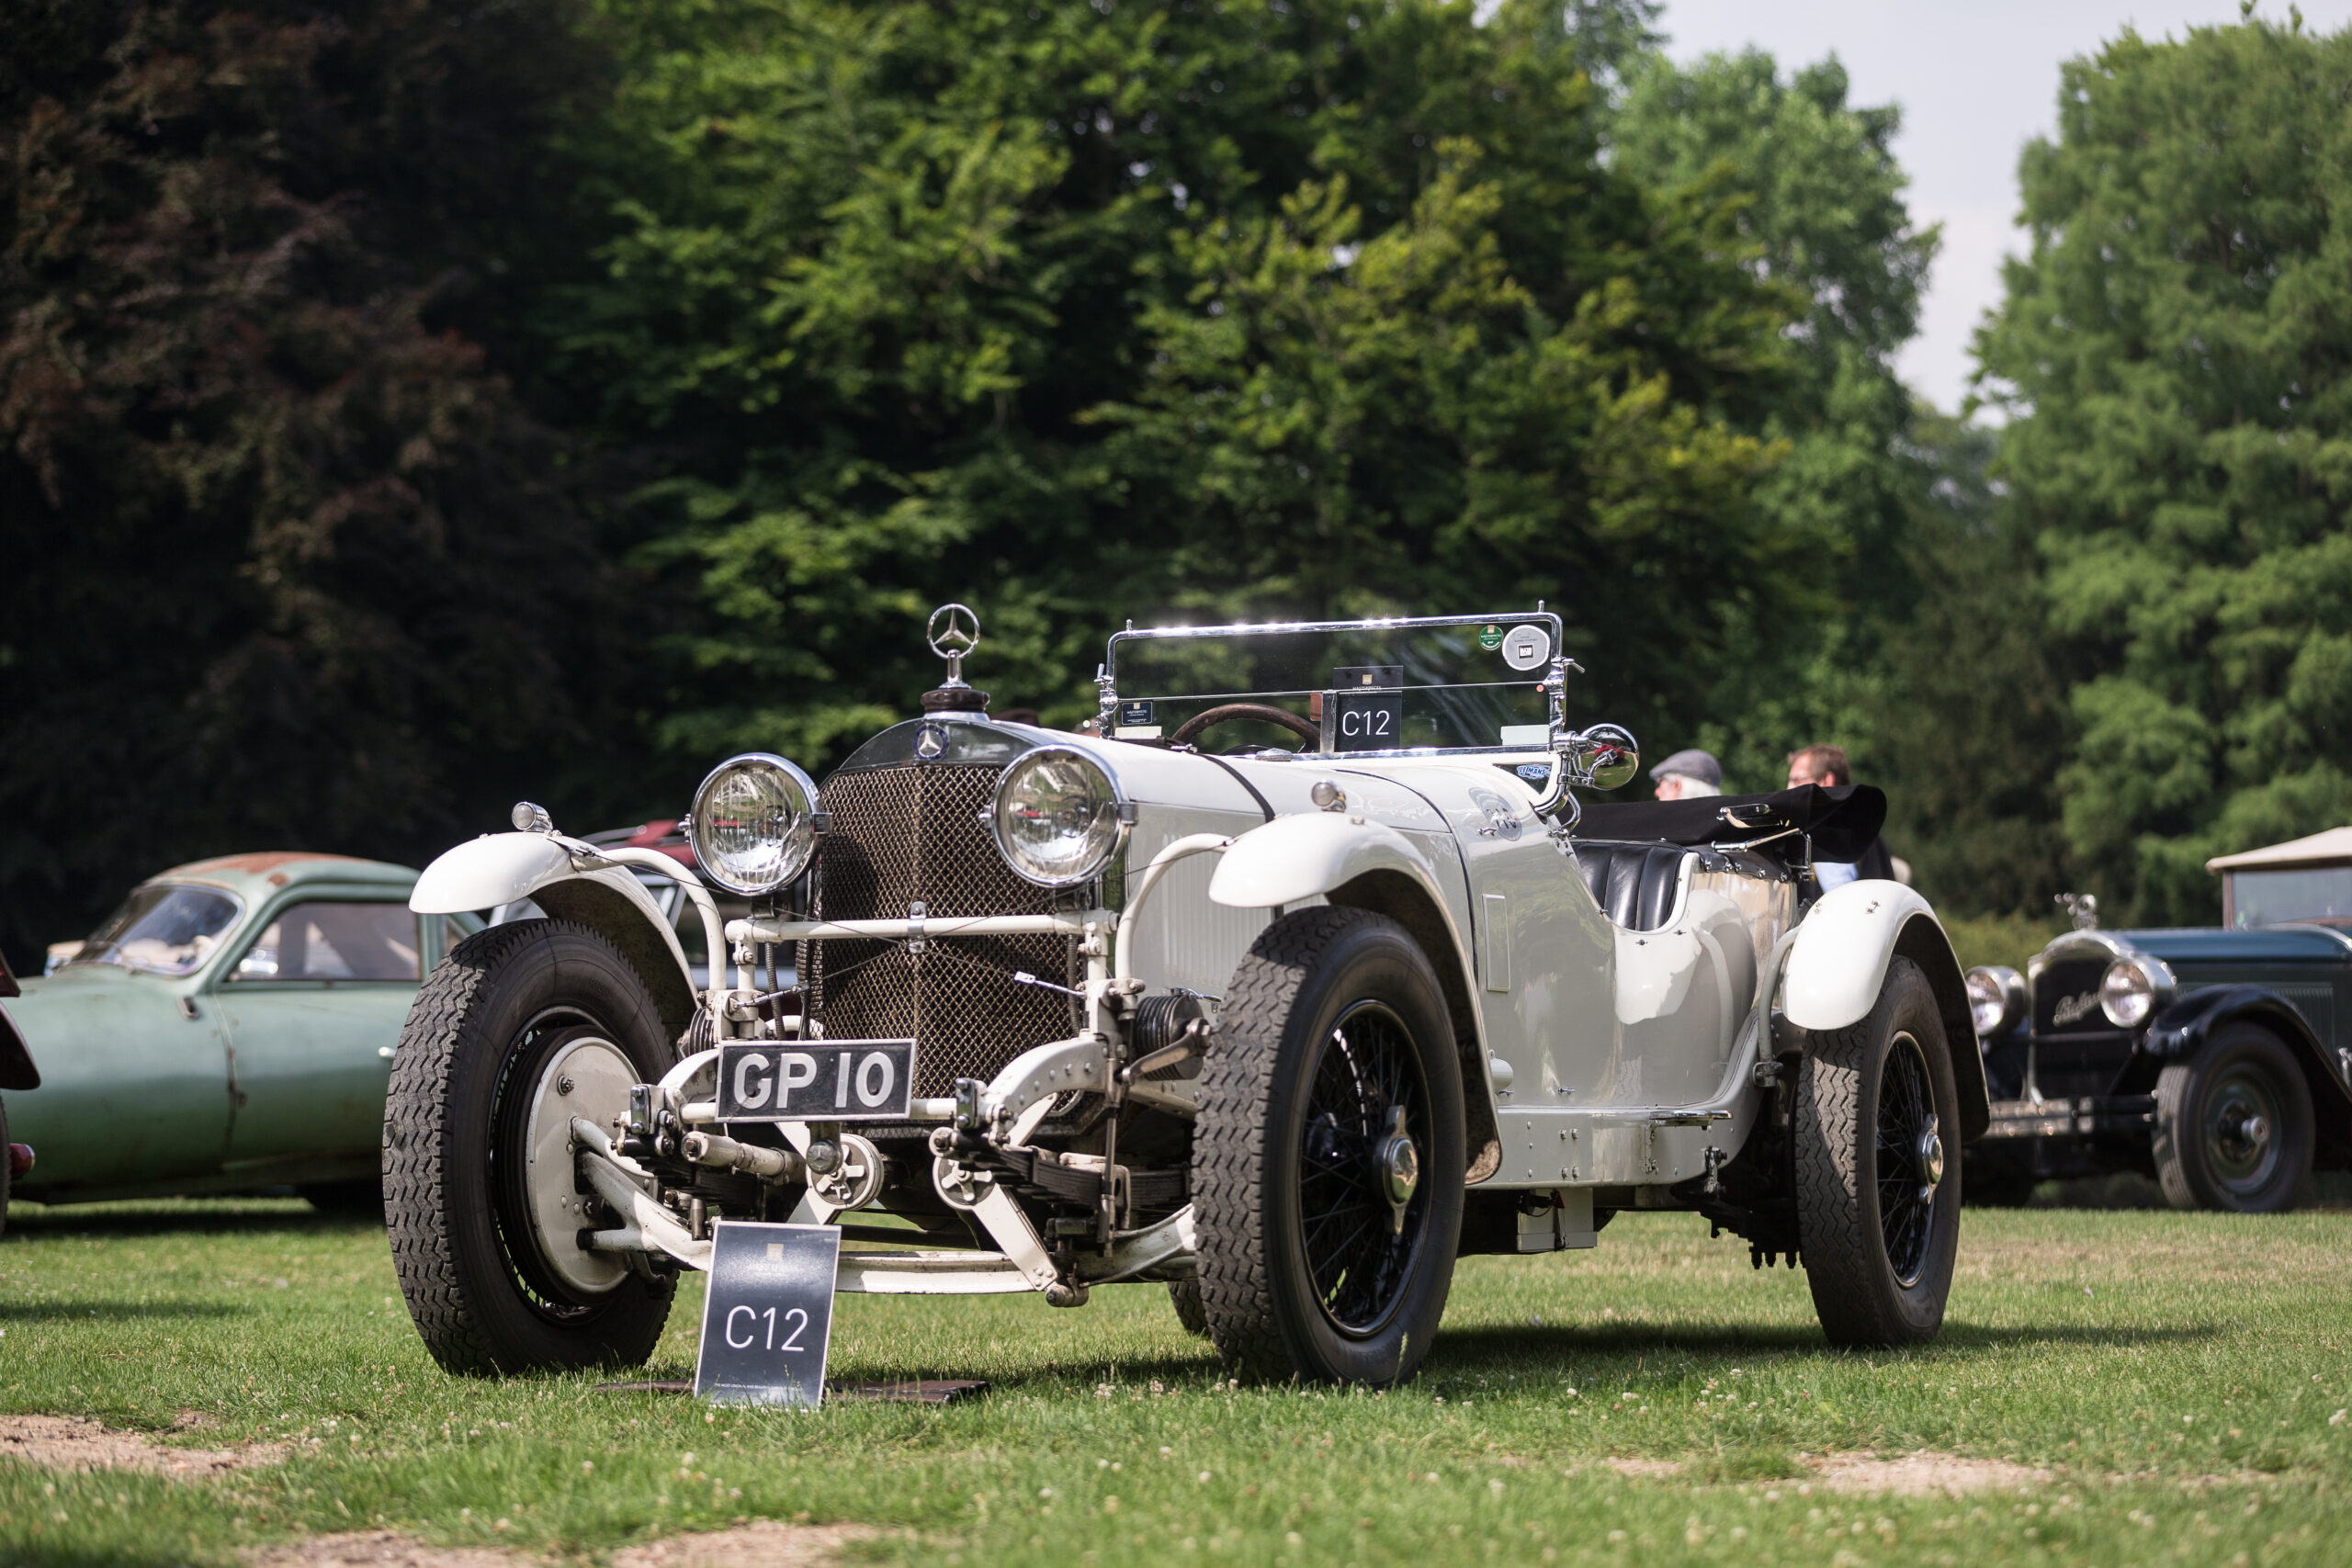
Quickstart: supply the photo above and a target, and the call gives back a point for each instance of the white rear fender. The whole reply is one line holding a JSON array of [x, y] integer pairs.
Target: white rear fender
[[1295, 858], [1839, 965], [505, 868], [1843, 948]]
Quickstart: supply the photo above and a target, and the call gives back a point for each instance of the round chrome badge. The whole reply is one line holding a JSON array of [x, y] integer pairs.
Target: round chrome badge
[[1525, 647], [929, 741]]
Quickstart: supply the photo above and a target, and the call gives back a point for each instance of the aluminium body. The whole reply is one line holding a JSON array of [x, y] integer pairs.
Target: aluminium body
[[1305, 972]]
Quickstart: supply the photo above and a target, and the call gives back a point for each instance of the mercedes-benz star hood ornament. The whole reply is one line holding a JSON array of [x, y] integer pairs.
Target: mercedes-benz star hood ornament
[[953, 632]]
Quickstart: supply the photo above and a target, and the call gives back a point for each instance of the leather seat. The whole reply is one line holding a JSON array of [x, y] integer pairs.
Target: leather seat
[[1636, 884]]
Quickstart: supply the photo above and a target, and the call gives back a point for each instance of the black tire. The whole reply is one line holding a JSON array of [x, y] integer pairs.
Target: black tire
[[481, 1292], [1186, 1296], [1878, 1257], [6, 1164], [1334, 1019], [2235, 1126], [347, 1200]]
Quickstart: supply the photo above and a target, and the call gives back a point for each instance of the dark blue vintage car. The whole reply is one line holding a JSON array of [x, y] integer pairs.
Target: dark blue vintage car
[[2217, 1061]]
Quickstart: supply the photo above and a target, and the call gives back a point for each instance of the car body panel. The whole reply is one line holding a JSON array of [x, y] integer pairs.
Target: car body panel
[[148, 1078]]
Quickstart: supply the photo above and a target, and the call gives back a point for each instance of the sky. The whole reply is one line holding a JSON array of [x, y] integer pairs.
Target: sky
[[1976, 81]]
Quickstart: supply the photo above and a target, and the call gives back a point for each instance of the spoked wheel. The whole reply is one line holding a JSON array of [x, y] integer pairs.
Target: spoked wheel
[[522, 1028], [1328, 1158], [1878, 1178], [2235, 1126]]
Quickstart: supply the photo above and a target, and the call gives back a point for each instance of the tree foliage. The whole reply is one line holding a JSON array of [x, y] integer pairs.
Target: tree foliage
[[1812, 183], [2172, 355], [1081, 312], [287, 563]]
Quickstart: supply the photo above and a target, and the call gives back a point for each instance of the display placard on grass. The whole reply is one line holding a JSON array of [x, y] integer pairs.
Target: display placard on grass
[[767, 1318]]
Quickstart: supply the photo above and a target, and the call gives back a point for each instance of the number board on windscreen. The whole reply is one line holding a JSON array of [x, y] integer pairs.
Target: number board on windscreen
[[767, 1317], [1368, 707]]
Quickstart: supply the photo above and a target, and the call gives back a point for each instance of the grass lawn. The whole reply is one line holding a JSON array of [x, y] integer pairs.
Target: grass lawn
[[2181, 1377]]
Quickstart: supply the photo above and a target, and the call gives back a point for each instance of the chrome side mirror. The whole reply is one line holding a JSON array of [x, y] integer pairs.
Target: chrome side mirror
[[1603, 757]]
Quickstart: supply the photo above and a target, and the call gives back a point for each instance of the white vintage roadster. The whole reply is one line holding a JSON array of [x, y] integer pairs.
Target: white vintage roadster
[[1297, 973]]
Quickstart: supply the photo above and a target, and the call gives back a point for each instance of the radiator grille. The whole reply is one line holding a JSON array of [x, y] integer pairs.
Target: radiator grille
[[903, 834]]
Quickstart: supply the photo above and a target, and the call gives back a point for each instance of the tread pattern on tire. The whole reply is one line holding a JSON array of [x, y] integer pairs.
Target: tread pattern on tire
[[417, 1148], [1229, 1139], [1855, 1291], [421, 1183], [1185, 1296], [1829, 1172], [2164, 1139]]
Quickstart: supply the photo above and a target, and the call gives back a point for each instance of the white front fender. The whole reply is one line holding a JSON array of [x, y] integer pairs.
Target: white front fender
[[505, 868], [1843, 948], [1292, 858], [497, 868]]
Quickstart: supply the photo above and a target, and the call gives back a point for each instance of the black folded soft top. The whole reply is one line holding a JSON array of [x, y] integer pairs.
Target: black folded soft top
[[1841, 820]]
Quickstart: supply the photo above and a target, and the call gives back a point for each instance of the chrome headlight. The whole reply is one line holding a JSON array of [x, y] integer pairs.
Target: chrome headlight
[[751, 827], [1996, 999], [1057, 816], [2132, 988]]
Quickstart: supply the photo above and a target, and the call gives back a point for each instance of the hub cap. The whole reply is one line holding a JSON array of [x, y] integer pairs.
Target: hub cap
[[1362, 1213], [1399, 1166], [589, 1078], [2240, 1130]]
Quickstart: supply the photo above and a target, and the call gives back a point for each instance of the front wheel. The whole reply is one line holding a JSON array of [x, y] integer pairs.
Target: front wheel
[[1327, 1157], [1878, 1168], [522, 1028], [2233, 1126]]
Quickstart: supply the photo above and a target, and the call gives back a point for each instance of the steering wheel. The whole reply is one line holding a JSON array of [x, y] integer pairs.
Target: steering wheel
[[1306, 729]]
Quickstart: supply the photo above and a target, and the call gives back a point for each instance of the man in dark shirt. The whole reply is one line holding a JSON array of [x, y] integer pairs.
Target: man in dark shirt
[[1827, 765]]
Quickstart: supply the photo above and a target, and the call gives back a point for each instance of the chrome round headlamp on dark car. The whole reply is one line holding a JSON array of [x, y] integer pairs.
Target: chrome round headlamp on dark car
[[1057, 816], [1996, 999], [2132, 988], [752, 826]]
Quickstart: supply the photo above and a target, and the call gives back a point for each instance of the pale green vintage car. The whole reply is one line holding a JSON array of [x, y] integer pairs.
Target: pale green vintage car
[[229, 1029]]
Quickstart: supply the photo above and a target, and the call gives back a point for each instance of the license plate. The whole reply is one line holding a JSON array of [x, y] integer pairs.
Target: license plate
[[830, 1080]]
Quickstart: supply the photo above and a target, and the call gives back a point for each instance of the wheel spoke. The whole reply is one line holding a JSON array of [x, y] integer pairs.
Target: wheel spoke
[[1367, 1071]]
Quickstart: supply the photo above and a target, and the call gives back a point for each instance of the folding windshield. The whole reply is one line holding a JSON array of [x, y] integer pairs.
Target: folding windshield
[[1434, 684]]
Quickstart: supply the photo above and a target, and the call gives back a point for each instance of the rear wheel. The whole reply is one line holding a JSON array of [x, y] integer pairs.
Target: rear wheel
[[522, 1028], [2235, 1126], [1878, 1175], [1327, 1157]]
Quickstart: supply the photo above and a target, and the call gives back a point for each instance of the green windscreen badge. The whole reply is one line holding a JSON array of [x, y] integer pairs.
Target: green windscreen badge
[[1490, 638], [767, 1317]]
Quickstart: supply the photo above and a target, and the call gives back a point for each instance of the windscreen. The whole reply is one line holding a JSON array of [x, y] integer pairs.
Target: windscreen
[[2274, 898], [161, 928], [1455, 683]]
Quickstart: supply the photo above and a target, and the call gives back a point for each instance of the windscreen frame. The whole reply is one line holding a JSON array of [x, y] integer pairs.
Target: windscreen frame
[[1552, 683]]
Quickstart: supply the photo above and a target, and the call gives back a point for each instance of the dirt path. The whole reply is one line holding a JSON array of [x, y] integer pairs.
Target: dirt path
[[765, 1544], [78, 1442]]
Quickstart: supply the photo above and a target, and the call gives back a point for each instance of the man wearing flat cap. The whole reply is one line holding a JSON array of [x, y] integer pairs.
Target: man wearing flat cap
[[1689, 774]]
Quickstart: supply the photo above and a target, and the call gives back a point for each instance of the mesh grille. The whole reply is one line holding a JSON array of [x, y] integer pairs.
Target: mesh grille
[[907, 833]]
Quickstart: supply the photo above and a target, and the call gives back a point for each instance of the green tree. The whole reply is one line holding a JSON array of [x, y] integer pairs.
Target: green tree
[[2171, 354], [288, 565], [1819, 199], [1084, 309]]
